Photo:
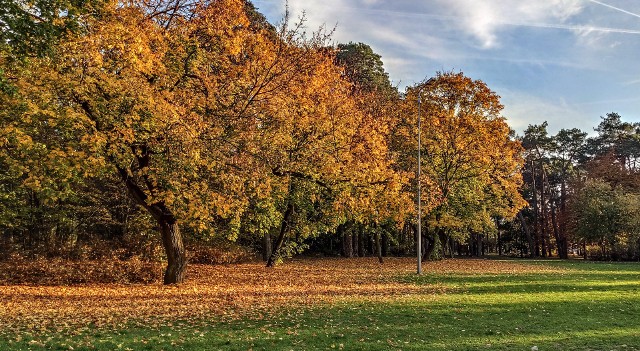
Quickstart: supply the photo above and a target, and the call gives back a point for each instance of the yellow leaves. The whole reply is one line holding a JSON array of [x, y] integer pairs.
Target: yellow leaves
[[121, 40], [22, 139], [213, 114], [32, 183], [466, 144]]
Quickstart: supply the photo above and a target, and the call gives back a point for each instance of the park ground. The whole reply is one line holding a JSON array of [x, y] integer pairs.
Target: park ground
[[339, 304]]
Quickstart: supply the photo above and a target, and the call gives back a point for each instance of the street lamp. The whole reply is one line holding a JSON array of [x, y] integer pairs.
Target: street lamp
[[419, 242]]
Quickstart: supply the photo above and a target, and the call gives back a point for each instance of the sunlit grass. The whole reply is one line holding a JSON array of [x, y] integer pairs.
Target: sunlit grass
[[576, 306]]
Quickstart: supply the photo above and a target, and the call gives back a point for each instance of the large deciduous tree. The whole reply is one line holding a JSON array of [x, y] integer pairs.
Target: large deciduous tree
[[468, 154], [204, 112], [173, 104]]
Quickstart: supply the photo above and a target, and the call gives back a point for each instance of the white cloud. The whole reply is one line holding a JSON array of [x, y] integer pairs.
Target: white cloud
[[539, 50], [483, 19]]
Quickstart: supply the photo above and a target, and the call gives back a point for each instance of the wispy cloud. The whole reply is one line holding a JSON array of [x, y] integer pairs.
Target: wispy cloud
[[577, 28], [632, 82], [523, 109], [480, 19], [615, 8], [565, 61], [487, 18]]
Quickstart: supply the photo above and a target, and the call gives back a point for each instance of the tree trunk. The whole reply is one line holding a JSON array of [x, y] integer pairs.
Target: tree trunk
[[169, 229], [562, 249], [361, 243], [444, 241], [347, 241], [354, 240], [266, 246], [473, 245], [174, 248], [385, 244], [535, 248], [562, 226], [543, 212], [378, 235], [284, 227], [430, 246], [498, 238], [527, 232]]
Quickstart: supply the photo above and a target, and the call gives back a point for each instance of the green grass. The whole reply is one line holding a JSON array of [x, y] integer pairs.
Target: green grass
[[591, 306]]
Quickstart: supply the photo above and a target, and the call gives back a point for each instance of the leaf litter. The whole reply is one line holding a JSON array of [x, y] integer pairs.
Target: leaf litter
[[227, 292]]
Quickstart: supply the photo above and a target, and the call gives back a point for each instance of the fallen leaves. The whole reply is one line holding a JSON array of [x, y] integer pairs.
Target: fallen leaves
[[57, 271], [226, 292]]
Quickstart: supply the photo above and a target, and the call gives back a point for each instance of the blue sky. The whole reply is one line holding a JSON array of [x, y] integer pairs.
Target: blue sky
[[567, 62]]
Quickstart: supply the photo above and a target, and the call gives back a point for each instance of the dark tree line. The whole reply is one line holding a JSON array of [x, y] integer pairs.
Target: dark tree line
[[582, 191]]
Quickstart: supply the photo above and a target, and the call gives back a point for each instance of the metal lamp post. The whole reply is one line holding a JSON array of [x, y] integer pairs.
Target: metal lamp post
[[419, 241]]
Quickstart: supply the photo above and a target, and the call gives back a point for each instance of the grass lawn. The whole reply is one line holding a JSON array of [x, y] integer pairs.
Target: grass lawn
[[338, 304]]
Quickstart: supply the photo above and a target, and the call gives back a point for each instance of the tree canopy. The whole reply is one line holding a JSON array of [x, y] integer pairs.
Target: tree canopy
[[203, 121]]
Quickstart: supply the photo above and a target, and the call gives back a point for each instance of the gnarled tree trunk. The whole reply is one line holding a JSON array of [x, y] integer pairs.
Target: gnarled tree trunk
[[174, 248], [169, 229]]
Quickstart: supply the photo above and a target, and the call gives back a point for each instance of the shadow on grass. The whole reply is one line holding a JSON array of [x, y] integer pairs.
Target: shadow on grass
[[438, 326], [590, 306], [584, 307], [575, 276]]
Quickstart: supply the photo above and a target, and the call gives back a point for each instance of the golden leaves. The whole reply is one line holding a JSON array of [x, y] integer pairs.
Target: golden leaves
[[466, 148], [231, 291]]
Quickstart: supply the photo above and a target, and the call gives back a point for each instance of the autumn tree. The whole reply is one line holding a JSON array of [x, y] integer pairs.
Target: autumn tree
[[619, 137], [330, 152], [555, 172], [31, 31], [157, 98], [379, 102], [214, 121], [603, 210], [468, 152]]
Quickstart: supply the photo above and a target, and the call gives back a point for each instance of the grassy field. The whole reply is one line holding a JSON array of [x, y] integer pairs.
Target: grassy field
[[338, 304]]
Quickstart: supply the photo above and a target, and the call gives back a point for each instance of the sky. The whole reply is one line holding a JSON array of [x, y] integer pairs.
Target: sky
[[567, 62]]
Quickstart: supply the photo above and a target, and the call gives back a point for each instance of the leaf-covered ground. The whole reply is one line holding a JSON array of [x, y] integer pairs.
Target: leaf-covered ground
[[460, 304], [222, 292]]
